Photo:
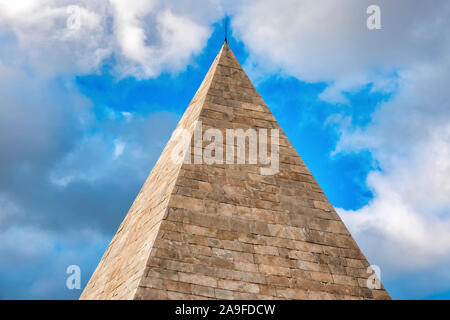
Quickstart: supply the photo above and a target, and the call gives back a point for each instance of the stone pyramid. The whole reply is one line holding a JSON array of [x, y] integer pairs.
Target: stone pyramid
[[230, 230]]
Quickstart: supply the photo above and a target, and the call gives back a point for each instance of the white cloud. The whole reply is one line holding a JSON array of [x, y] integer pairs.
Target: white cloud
[[145, 37], [41, 40], [126, 143], [52, 145], [119, 146], [330, 41], [408, 136], [153, 38]]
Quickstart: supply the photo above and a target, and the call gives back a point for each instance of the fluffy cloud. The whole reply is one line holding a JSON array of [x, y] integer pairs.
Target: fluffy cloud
[[167, 42], [408, 136], [330, 42], [144, 38], [67, 165], [39, 34], [67, 177]]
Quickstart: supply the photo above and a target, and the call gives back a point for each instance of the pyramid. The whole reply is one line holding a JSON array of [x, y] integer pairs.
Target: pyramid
[[226, 230]]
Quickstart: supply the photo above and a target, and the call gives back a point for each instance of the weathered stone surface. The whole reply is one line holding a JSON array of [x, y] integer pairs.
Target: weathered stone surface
[[225, 231]]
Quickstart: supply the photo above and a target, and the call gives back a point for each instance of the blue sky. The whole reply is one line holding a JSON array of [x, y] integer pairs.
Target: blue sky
[[86, 113]]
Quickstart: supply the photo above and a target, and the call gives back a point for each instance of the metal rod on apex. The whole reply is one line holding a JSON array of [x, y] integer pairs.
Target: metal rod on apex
[[226, 25]]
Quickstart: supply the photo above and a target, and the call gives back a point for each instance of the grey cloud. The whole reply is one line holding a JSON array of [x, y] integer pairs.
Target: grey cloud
[[66, 178], [330, 42], [408, 136]]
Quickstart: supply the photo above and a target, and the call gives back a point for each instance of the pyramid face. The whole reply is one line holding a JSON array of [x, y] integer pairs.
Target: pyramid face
[[213, 222]]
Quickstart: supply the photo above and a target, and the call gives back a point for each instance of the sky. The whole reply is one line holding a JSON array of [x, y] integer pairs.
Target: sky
[[90, 92]]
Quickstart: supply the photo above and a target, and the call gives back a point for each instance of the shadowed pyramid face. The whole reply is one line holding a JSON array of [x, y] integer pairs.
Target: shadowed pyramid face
[[230, 211]]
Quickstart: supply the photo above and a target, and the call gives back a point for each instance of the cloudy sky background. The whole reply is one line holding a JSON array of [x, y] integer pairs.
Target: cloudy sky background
[[85, 113]]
